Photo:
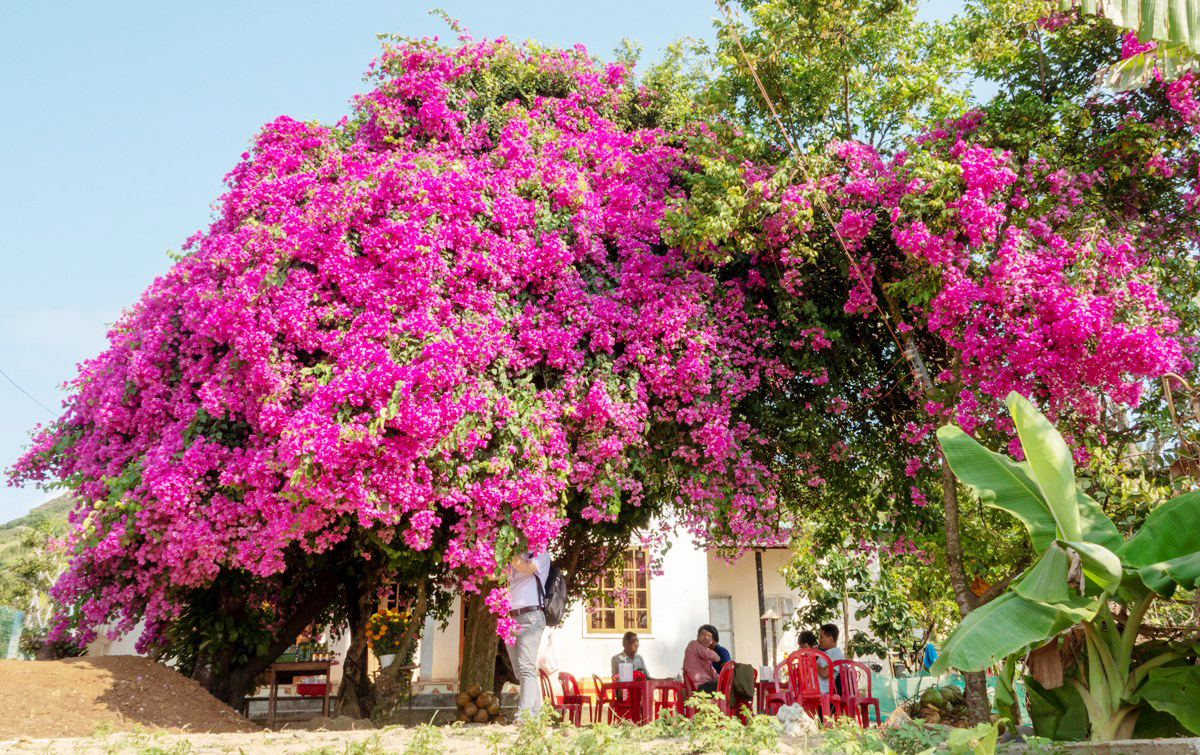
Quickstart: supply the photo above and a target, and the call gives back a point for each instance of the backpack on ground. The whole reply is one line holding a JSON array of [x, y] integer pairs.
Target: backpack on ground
[[552, 596]]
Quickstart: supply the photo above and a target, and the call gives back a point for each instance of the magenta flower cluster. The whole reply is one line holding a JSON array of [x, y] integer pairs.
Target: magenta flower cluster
[[436, 321], [1032, 290]]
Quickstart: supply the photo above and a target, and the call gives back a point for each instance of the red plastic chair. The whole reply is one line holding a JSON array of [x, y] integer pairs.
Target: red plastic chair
[[689, 689], [770, 701], [855, 704], [732, 705], [667, 698], [548, 691], [805, 682], [605, 696], [572, 699]]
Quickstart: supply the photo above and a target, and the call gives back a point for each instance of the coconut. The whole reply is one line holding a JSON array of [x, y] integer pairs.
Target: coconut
[[494, 708], [933, 696], [484, 700], [481, 716], [953, 695], [474, 690], [461, 699], [470, 709], [931, 715]]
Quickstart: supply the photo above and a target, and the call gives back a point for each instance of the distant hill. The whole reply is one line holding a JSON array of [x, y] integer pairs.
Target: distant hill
[[54, 509], [10, 533]]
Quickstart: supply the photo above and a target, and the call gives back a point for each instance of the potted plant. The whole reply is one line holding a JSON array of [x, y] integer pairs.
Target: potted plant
[[385, 629]]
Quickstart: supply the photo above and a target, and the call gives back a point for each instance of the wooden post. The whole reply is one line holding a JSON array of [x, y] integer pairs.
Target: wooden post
[[762, 604]]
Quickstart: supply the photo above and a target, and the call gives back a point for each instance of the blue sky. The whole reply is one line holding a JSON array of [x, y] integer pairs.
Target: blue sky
[[121, 118]]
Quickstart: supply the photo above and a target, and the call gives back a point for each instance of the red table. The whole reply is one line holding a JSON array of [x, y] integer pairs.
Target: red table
[[641, 693], [762, 690]]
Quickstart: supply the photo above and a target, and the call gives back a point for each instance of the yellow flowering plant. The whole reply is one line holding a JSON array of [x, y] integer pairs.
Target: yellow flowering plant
[[385, 629]]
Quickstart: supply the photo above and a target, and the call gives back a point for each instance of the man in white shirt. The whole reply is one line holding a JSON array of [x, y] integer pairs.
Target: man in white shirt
[[629, 654], [524, 573], [827, 642]]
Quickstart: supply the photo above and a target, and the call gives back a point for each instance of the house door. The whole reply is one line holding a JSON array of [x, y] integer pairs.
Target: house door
[[720, 615]]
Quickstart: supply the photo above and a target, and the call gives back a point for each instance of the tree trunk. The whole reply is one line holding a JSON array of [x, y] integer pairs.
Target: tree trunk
[[393, 684], [356, 694], [978, 709], [231, 685], [479, 644]]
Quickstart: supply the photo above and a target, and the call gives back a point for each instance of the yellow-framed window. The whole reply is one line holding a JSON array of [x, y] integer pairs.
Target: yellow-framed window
[[625, 605]]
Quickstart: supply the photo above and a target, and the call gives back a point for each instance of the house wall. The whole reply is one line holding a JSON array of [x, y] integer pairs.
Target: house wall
[[739, 582], [678, 605]]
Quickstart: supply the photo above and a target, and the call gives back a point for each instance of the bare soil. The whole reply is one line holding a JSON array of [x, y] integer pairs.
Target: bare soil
[[76, 697], [127, 704]]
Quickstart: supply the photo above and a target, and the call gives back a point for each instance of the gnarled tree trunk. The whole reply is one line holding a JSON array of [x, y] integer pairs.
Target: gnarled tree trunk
[[356, 696], [479, 644]]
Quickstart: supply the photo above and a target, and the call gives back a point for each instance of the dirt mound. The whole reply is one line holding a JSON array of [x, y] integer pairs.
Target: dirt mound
[[76, 696]]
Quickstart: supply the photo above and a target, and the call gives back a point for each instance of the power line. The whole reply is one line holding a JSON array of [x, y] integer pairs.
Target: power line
[[31, 398]]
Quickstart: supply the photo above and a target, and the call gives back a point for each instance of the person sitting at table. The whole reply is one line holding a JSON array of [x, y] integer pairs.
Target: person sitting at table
[[827, 643], [629, 654], [723, 656], [699, 660], [808, 640]]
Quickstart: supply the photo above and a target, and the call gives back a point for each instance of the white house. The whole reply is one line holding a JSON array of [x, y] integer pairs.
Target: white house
[[694, 588]]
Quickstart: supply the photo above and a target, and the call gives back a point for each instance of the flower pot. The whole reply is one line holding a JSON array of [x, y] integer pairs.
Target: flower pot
[[386, 659]]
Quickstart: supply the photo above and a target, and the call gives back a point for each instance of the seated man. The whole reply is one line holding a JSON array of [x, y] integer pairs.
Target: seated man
[[827, 643], [629, 654]]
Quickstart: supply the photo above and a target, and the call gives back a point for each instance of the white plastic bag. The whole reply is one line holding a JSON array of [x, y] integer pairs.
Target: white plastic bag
[[548, 654]]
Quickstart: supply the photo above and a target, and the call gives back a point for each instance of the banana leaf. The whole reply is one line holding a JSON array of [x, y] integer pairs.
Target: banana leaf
[[1046, 580], [1000, 483], [1100, 565], [1165, 552], [1009, 624], [1056, 713], [1174, 690], [1097, 527], [1051, 462]]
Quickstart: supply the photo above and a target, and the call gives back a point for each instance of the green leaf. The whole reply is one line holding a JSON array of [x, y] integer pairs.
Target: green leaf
[[1172, 530], [1049, 458], [979, 740], [1046, 581], [1100, 565], [1007, 625], [1097, 527], [1174, 690], [1056, 713], [1000, 483]]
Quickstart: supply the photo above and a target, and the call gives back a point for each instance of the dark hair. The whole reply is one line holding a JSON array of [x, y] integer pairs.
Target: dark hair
[[831, 630], [808, 638], [711, 630], [629, 637]]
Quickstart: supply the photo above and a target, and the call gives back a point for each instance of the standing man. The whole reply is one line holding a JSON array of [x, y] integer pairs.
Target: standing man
[[526, 572], [827, 642]]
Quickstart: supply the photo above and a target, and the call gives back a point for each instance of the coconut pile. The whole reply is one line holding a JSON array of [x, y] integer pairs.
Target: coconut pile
[[940, 705], [477, 706]]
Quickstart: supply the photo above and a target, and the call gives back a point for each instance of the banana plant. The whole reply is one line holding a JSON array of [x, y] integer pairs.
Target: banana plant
[[1087, 580], [1173, 24]]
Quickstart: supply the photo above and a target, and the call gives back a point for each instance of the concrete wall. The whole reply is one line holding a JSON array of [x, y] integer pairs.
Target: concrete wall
[[739, 582]]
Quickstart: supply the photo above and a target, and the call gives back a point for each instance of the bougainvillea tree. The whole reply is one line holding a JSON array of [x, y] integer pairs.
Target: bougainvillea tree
[[445, 328]]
